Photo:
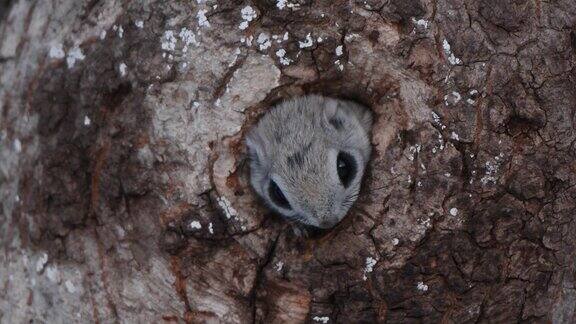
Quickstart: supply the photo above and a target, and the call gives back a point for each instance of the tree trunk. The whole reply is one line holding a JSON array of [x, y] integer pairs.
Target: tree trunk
[[123, 184]]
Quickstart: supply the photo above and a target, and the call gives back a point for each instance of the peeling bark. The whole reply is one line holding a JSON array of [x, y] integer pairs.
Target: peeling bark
[[124, 192]]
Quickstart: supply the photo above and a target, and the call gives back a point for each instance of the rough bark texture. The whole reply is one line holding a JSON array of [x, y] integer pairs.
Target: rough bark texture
[[123, 182]]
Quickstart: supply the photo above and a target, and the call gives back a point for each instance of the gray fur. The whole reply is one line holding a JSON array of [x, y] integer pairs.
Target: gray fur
[[296, 144]]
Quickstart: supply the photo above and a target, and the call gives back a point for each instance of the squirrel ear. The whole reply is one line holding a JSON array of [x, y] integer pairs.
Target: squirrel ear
[[366, 119], [333, 115], [256, 147], [330, 108]]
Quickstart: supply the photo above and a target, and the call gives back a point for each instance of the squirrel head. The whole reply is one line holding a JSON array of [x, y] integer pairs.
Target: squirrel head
[[307, 158]]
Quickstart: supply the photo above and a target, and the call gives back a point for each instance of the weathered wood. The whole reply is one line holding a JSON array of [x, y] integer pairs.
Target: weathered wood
[[123, 184]]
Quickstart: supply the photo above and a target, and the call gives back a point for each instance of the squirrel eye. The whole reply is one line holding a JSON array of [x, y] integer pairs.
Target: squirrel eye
[[277, 195], [346, 166]]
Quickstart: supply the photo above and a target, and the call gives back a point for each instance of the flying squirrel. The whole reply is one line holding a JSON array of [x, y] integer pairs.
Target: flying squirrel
[[307, 158]]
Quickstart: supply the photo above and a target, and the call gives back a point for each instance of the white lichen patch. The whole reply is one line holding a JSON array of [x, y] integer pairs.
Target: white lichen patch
[[247, 40], [412, 151], [139, 24], [420, 22], [87, 121], [339, 50], [454, 136], [53, 274], [369, 267], [280, 37], [102, 35], [293, 6], [210, 228], [437, 120], [263, 41], [395, 241], [243, 25], [441, 142], [42, 260], [452, 98], [122, 68], [119, 30], [17, 146], [492, 168], [279, 266], [472, 93], [237, 52], [202, 20], [457, 96], [351, 37], [56, 52], [195, 225], [339, 65], [441, 145], [321, 319], [422, 286], [70, 286], [227, 208], [168, 41], [74, 55], [120, 232], [451, 57], [188, 38], [308, 41], [453, 211], [248, 14], [281, 54], [281, 4], [425, 221]]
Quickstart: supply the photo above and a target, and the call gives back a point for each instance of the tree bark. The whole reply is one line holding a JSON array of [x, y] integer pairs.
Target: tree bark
[[124, 193]]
